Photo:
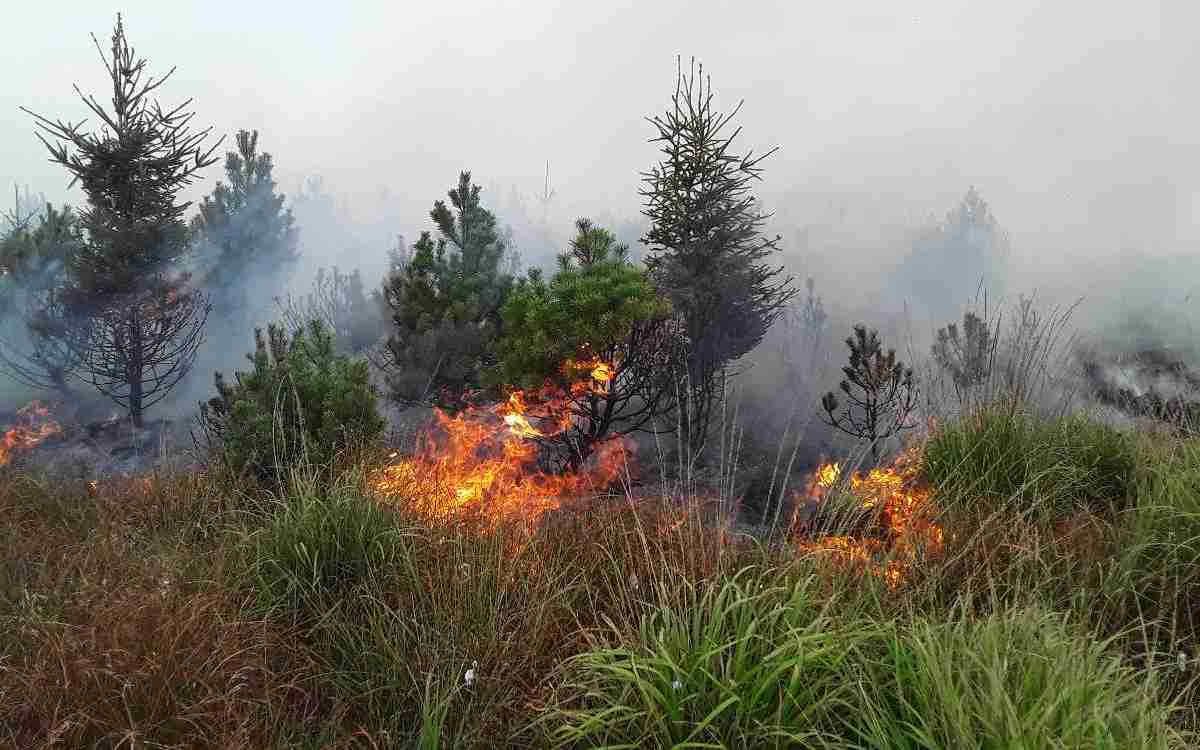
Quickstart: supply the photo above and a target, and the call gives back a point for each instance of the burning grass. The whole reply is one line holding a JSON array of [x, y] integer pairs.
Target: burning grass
[[497, 463], [881, 521], [33, 425]]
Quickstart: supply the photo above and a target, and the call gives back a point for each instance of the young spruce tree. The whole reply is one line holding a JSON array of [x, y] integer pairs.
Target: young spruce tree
[[706, 244], [145, 322]]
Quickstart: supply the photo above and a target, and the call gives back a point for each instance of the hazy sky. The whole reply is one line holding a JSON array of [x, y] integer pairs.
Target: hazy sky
[[1077, 120]]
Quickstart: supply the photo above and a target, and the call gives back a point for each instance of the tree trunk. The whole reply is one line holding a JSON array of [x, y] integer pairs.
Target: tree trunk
[[135, 368]]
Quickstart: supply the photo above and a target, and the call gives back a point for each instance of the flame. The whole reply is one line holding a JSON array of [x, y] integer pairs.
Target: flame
[[598, 380], [602, 373], [485, 461], [903, 531], [33, 427]]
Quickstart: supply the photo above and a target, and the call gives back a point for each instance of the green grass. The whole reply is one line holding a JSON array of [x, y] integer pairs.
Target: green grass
[[1021, 678], [1029, 463], [316, 547], [757, 660]]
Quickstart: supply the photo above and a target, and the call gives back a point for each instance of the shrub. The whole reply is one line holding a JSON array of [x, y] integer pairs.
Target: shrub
[[301, 401], [1015, 679], [1052, 464], [967, 357], [748, 663]]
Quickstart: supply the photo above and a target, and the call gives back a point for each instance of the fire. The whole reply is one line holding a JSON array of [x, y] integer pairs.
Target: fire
[[484, 461], [898, 511], [33, 427]]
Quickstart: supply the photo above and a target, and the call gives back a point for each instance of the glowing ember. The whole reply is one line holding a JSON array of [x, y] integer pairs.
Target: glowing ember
[[484, 461], [900, 514], [33, 427]]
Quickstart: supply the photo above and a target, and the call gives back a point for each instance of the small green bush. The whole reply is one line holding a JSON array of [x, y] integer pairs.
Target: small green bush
[[317, 547], [1015, 679], [302, 401], [1056, 465], [747, 663]]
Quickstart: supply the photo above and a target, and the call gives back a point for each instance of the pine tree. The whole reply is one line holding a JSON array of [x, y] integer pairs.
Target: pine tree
[[881, 393], [243, 227], [599, 333], [966, 253], [146, 323], [445, 303], [706, 244]]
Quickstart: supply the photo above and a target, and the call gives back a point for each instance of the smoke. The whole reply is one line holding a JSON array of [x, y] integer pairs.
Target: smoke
[[1073, 121]]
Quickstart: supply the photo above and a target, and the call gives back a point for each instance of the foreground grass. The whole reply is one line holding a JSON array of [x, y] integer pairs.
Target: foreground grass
[[187, 612]]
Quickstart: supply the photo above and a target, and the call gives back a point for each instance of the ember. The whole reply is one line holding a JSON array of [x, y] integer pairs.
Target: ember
[[899, 512], [34, 425], [485, 461]]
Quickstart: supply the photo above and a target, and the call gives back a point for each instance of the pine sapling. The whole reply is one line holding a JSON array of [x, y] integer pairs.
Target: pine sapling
[[880, 391]]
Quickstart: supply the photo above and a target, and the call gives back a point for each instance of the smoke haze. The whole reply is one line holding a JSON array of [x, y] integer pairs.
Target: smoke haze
[[1077, 122]]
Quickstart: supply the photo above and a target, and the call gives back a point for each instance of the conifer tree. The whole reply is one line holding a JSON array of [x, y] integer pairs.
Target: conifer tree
[[243, 227], [445, 302], [706, 244], [880, 392], [601, 336], [146, 322], [967, 251]]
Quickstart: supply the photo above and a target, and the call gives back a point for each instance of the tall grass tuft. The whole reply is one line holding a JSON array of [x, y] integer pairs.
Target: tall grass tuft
[[1151, 594], [1019, 678], [1030, 463], [317, 546], [755, 660]]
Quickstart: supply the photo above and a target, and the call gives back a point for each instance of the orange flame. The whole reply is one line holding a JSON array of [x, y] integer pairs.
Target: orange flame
[[484, 461], [903, 529], [35, 426]]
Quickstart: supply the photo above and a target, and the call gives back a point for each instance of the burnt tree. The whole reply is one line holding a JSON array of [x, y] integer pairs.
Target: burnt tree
[[146, 320]]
